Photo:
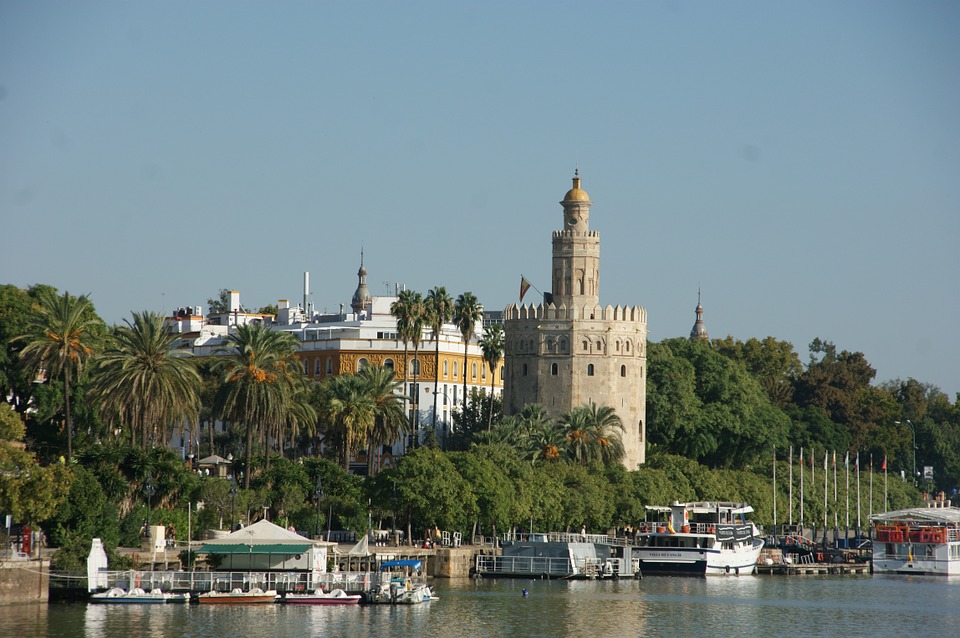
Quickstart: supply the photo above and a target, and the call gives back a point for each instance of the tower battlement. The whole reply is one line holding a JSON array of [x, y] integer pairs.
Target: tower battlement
[[551, 312]]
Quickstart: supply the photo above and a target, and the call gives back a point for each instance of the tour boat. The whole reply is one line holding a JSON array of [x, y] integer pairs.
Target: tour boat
[[138, 596], [334, 597], [922, 540], [698, 538], [255, 596]]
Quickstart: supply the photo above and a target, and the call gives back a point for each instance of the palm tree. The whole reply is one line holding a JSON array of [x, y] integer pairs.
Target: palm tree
[[593, 433], [439, 307], [492, 346], [467, 312], [60, 341], [349, 412], [389, 422], [409, 312], [144, 382], [258, 380]]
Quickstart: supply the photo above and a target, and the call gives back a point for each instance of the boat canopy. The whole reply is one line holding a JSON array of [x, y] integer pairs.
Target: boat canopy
[[928, 515], [285, 549], [413, 564]]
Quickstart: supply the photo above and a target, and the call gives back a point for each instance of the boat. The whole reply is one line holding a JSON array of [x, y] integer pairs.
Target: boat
[[318, 597], [555, 555], [705, 537], [401, 583], [138, 596], [921, 540], [255, 596]]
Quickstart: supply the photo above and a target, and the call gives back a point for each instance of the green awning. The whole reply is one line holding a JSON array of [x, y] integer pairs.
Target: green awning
[[288, 549]]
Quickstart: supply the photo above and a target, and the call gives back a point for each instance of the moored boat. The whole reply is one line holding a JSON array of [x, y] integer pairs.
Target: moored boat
[[921, 540], [255, 596], [708, 537], [402, 583], [319, 597], [138, 596]]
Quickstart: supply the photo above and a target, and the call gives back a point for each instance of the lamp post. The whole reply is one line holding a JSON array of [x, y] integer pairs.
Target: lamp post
[[446, 424], [233, 501], [318, 493], [913, 431], [149, 490]]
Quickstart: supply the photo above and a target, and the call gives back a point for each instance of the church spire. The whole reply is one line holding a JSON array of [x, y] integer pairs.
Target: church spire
[[699, 331]]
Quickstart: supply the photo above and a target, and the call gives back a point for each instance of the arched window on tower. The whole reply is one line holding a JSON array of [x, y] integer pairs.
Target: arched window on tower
[[554, 369], [589, 369], [623, 371], [524, 373], [586, 346]]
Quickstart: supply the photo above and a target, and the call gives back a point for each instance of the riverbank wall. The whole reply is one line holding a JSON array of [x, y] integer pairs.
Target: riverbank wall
[[24, 581]]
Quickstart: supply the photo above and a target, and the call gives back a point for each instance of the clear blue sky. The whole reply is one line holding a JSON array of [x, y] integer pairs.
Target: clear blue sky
[[797, 161]]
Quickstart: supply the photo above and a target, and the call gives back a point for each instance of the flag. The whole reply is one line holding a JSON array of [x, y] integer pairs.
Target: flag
[[524, 287], [846, 460], [856, 464], [884, 465]]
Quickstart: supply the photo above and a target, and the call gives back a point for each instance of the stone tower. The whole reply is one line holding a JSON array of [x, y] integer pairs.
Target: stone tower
[[570, 351], [361, 296], [699, 330]]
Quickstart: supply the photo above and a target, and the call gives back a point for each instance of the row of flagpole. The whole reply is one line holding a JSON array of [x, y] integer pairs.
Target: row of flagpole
[[826, 481]]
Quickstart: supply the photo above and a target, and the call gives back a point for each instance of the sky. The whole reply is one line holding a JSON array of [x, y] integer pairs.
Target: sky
[[797, 163]]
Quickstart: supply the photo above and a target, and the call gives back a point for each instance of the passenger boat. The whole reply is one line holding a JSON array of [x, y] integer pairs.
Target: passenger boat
[[334, 597], [698, 538], [255, 596], [922, 540], [138, 596]]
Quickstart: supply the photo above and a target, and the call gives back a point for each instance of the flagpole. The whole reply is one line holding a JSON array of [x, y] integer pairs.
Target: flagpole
[[790, 484], [774, 491], [835, 508], [826, 480], [870, 506], [886, 506], [801, 490], [846, 471], [858, 491]]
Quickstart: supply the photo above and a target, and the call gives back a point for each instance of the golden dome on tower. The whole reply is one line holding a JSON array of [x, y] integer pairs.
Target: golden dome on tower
[[576, 194]]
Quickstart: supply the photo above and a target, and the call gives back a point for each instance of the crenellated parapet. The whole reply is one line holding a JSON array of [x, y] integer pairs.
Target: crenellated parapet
[[551, 312], [561, 234]]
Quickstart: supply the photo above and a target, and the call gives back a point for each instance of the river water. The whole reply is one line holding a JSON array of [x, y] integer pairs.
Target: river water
[[827, 605]]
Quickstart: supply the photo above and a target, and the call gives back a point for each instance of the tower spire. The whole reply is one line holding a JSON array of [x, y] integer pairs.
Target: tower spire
[[699, 331]]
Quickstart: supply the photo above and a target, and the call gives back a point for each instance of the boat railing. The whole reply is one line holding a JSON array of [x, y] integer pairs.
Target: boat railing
[[567, 537], [203, 581], [523, 565]]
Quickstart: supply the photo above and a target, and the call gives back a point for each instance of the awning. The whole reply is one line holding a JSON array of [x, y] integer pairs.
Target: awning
[[287, 549]]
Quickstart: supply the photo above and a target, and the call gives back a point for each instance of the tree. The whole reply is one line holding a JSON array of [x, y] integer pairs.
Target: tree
[[439, 309], [220, 304], [258, 379], [144, 382], [388, 419], [408, 310], [775, 364], [467, 312], [60, 342], [349, 412], [492, 346], [593, 434]]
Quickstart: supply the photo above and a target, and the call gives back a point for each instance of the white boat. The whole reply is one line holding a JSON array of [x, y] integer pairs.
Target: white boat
[[708, 537], [334, 597], [401, 583], [138, 596], [922, 540], [255, 596]]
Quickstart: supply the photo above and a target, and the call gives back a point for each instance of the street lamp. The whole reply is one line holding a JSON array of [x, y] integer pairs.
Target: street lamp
[[913, 431], [149, 490], [233, 501], [446, 424], [318, 493]]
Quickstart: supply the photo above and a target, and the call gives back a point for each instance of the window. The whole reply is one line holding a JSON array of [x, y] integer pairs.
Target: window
[[623, 371], [590, 370], [456, 369], [554, 369], [445, 370], [388, 364], [483, 372], [586, 346], [501, 373], [628, 346], [306, 367], [599, 347], [362, 363], [316, 366], [524, 371], [415, 367], [329, 366], [473, 370]]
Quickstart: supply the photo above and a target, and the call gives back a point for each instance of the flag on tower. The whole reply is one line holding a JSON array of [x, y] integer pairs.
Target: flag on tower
[[524, 287]]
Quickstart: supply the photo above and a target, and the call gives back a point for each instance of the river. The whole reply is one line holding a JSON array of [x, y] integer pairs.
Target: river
[[655, 606]]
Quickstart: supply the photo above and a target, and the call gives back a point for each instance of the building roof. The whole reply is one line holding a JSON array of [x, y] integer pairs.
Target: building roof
[[263, 537], [576, 194]]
